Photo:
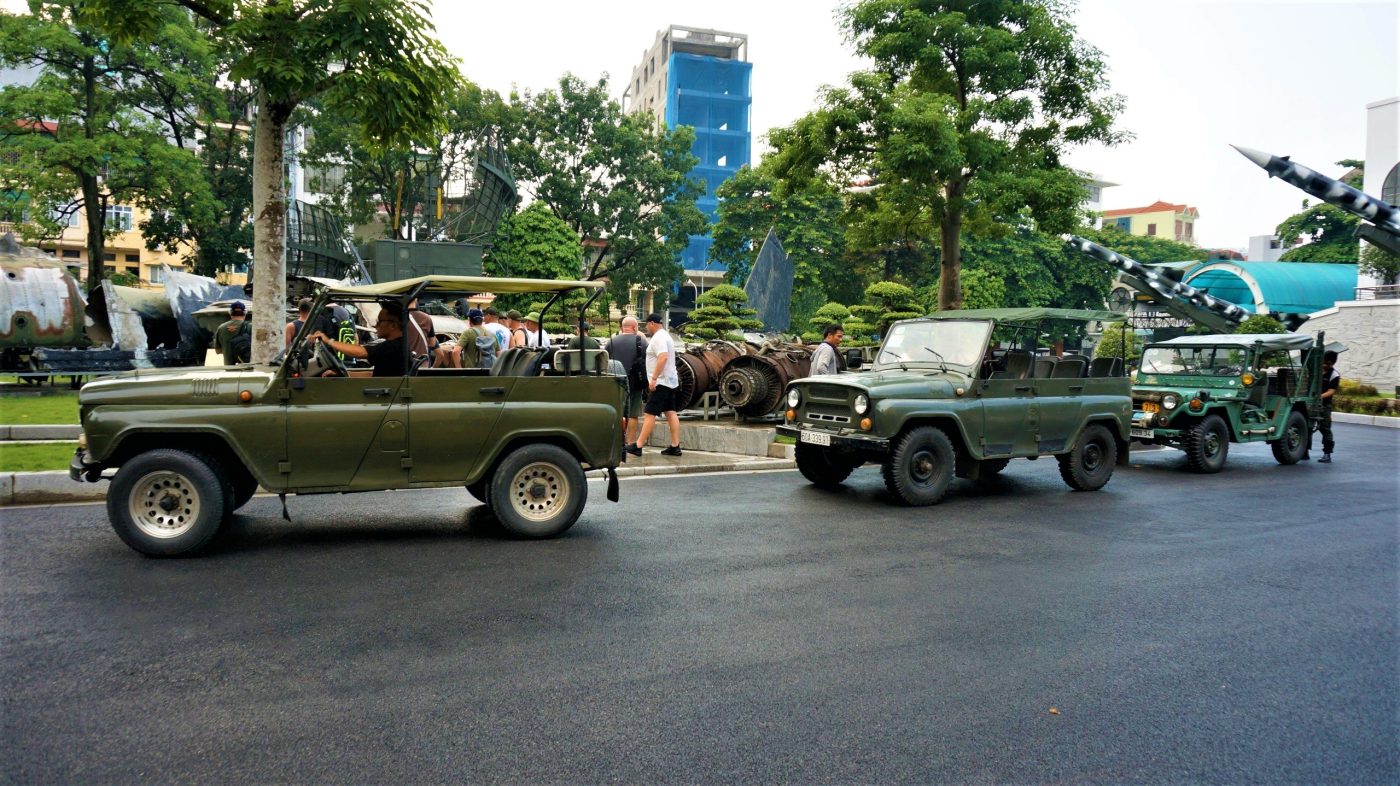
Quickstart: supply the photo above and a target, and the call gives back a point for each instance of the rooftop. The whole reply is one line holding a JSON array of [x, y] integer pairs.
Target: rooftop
[[1156, 207]]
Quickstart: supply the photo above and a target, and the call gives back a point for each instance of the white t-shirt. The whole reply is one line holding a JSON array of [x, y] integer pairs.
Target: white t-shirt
[[500, 332], [660, 342], [533, 339]]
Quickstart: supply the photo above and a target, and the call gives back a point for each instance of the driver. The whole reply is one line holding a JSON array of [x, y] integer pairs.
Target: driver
[[387, 356]]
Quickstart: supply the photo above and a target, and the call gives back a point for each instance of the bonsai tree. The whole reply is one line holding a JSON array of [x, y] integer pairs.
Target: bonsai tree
[[887, 302], [722, 313], [827, 314]]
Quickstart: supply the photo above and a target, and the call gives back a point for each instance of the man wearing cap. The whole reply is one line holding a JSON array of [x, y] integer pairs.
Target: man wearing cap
[[535, 335], [224, 335], [662, 382], [583, 340], [516, 327], [492, 318]]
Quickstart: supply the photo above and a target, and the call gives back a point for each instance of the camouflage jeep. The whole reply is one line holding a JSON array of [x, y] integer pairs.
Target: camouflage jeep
[[1201, 393], [942, 399], [192, 445]]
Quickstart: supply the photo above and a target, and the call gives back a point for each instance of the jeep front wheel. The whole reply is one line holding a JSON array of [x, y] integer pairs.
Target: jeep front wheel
[[1089, 465], [1207, 445], [822, 468], [538, 491], [166, 502], [1292, 445], [920, 467]]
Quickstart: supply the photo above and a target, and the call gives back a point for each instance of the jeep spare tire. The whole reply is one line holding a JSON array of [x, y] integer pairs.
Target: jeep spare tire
[[537, 491], [166, 503]]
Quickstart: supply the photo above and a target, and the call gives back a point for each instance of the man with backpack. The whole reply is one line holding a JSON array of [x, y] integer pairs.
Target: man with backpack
[[234, 338], [630, 349]]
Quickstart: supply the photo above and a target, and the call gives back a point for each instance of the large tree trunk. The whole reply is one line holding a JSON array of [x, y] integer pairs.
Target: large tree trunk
[[269, 230], [95, 214], [950, 243]]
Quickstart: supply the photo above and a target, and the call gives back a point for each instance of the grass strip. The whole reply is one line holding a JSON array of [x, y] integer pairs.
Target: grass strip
[[35, 456], [57, 409]]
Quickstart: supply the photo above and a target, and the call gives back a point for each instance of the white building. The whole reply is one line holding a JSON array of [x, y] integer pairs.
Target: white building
[[1093, 187], [1382, 158], [1264, 248]]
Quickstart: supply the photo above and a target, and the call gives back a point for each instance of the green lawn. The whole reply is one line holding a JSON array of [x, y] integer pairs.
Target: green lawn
[[56, 409], [22, 457]]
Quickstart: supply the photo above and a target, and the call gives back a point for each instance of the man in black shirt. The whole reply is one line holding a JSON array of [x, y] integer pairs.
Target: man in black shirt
[[387, 356], [1331, 382]]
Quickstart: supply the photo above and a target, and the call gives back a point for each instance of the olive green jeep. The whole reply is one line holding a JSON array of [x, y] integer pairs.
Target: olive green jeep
[[943, 399], [192, 445], [1201, 393]]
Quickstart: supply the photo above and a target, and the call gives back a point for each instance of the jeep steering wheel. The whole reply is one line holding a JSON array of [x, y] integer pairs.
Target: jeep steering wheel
[[329, 360]]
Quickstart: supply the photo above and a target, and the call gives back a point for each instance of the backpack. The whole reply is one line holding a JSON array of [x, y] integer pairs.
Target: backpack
[[637, 375], [240, 347], [485, 348]]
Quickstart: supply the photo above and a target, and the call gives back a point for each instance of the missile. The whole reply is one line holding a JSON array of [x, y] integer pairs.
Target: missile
[[1385, 218], [1180, 300]]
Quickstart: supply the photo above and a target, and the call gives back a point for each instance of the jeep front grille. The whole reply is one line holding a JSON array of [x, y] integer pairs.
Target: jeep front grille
[[825, 418]]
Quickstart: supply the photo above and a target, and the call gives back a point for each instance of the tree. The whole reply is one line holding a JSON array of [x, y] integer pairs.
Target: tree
[[964, 119], [375, 62], [533, 243], [831, 313], [1326, 233], [75, 139], [620, 182], [1380, 264], [1260, 323], [982, 289], [807, 221], [721, 314], [887, 302], [1119, 341], [1144, 249]]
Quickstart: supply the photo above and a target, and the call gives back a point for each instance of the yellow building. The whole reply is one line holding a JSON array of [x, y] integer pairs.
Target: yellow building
[[124, 252], [1159, 219]]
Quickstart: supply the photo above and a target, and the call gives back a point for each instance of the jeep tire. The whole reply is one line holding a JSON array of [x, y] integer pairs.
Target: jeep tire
[[1207, 445], [166, 502], [537, 491], [1089, 464], [920, 467], [1292, 445], [823, 468]]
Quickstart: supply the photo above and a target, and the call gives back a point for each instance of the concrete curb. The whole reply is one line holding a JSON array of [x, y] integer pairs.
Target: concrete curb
[[1381, 421], [48, 488], [37, 432]]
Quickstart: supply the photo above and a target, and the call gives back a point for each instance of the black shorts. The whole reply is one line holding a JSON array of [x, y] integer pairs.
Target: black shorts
[[660, 400]]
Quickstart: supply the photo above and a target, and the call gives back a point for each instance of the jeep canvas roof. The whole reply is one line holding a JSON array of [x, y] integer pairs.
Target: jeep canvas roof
[[1243, 340], [1030, 314], [443, 285]]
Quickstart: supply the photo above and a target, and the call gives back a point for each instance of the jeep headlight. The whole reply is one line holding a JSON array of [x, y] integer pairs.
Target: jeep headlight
[[794, 398], [862, 404], [1170, 401]]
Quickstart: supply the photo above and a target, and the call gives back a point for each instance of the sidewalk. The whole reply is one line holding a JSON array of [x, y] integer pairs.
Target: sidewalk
[[46, 488]]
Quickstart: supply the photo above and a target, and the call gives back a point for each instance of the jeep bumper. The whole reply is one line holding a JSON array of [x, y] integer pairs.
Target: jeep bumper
[[79, 469], [845, 443]]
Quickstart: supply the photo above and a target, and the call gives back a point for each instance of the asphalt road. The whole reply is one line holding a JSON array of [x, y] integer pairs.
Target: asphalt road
[[1233, 628]]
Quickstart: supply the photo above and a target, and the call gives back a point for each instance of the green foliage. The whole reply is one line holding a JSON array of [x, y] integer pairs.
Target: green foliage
[[1380, 264], [1117, 340], [124, 279], [533, 243], [1260, 323], [721, 313], [886, 302], [1327, 230], [41, 457], [809, 224], [964, 119], [1144, 249], [618, 181], [982, 289]]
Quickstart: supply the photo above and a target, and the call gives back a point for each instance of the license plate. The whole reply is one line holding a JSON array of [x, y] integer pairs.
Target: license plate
[[816, 438], [1150, 406], [1142, 433]]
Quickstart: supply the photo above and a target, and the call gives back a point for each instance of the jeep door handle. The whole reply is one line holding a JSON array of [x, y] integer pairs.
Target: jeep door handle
[[1023, 388], [493, 391], [1076, 388], [376, 392]]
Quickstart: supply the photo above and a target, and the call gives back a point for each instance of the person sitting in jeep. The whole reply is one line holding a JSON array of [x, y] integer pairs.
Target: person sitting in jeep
[[387, 356]]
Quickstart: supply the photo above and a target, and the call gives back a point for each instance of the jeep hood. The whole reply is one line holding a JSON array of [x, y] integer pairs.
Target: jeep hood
[[176, 385], [894, 383]]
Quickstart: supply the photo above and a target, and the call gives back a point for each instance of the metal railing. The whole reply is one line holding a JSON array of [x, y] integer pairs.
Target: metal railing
[[7, 227], [1381, 292]]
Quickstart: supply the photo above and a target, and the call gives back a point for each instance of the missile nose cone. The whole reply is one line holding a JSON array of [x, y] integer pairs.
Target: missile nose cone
[[1262, 159]]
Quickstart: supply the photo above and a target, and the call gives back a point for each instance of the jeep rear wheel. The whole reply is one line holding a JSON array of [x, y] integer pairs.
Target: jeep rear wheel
[[920, 467], [1089, 465], [1292, 445], [538, 491], [1207, 445], [823, 468], [166, 502]]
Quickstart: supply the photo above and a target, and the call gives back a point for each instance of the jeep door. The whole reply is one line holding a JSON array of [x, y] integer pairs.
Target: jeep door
[[347, 431], [1059, 402], [450, 420], [1010, 417]]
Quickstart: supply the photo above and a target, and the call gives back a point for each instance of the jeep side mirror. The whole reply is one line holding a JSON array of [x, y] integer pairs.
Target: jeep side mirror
[[854, 359]]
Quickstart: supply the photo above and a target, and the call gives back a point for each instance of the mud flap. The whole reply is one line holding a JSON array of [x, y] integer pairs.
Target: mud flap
[[612, 484]]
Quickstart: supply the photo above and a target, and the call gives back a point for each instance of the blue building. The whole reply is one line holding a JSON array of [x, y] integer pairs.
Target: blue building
[[699, 78]]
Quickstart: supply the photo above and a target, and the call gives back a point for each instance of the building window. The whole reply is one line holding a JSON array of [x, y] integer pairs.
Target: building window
[[1188, 230], [119, 217], [1125, 224], [71, 253], [132, 257], [1151, 230], [109, 257], [1095, 194], [108, 270], [155, 274], [69, 220], [1390, 187]]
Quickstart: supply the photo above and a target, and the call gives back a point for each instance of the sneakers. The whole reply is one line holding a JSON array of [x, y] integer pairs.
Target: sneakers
[[1326, 459], [674, 450], [634, 449]]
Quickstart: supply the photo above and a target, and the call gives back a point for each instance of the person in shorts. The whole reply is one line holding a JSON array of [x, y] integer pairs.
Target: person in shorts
[[630, 349], [662, 383]]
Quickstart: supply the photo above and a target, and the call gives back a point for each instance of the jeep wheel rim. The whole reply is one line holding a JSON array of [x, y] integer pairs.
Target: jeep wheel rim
[[164, 504], [1293, 438], [1093, 456], [539, 491], [1212, 445], [921, 467]]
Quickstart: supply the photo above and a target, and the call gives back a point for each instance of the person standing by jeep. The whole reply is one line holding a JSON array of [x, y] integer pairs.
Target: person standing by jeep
[[630, 349], [824, 358], [662, 382], [234, 338], [1331, 383]]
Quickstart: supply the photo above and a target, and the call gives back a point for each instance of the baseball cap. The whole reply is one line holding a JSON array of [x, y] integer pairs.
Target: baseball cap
[[237, 307], [587, 326], [513, 314], [655, 317], [475, 313]]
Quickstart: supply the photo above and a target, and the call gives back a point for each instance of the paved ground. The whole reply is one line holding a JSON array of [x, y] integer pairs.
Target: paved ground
[[1233, 628]]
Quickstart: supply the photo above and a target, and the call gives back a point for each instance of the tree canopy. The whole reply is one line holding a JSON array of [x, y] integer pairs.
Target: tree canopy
[[533, 243], [1321, 232]]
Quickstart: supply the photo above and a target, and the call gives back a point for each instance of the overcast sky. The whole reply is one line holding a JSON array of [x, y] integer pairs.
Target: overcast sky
[[1291, 78]]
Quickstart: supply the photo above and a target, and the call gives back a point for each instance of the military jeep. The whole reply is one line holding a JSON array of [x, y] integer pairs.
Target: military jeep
[[943, 399], [192, 445], [1201, 393]]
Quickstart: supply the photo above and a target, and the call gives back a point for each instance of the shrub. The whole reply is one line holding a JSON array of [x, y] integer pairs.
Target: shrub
[[1351, 387], [1111, 345], [1261, 323]]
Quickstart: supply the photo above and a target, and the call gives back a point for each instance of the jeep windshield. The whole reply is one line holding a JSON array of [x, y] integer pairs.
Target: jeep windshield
[[1193, 361], [946, 344]]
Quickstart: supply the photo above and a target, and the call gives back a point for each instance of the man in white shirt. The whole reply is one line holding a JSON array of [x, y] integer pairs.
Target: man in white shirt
[[535, 335], [824, 358], [493, 324], [662, 382]]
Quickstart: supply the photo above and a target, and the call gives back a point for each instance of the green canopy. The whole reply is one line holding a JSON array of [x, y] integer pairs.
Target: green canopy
[[456, 285], [1244, 340], [1030, 314]]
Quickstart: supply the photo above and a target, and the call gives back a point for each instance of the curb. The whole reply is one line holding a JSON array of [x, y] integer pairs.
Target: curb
[[37, 432], [47, 488], [1380, 421]]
